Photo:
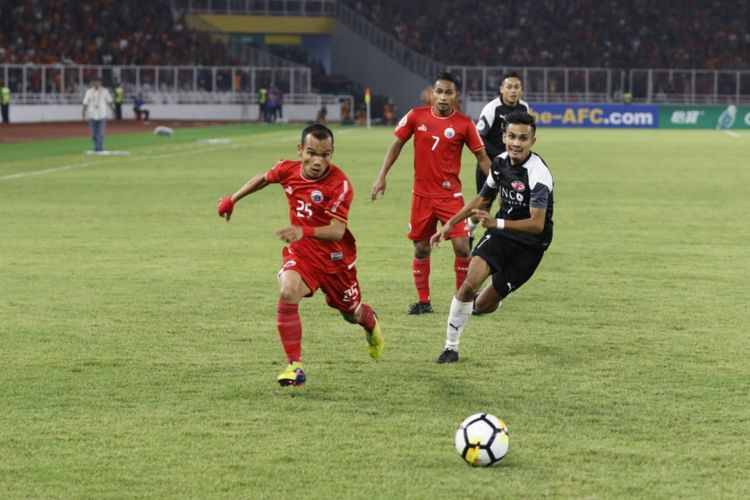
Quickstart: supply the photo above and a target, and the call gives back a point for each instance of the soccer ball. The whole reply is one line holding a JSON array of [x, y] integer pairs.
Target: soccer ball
[[482, 440]]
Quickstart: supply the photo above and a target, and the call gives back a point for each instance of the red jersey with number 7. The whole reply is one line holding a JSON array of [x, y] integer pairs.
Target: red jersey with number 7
[[315, 202], [438, 144]]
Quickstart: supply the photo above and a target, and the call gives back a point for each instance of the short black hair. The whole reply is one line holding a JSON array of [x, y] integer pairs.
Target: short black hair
[[319, 131], [446, 75], [521, 118], [511, 74]]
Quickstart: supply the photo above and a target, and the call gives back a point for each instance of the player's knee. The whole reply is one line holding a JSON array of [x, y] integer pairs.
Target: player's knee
[[422, 249], [290, 294], [467, 291], [486, 307]]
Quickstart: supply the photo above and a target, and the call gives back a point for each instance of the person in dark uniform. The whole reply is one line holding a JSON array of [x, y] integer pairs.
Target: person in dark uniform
[[517, 236], [491, 123]]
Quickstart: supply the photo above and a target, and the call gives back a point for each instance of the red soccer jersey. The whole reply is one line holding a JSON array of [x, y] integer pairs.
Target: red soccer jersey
[[314, 202], [438, 143]]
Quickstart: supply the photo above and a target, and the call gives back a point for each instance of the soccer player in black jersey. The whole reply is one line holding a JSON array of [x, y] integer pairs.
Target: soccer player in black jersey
[[491, 124], [517, 236]]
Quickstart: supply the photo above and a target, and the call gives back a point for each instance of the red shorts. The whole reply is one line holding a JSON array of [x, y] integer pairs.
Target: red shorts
[[341, 289], [426, 212]]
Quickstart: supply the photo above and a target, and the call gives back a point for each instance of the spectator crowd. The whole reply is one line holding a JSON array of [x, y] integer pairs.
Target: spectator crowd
[[102, 32], [701, 34]]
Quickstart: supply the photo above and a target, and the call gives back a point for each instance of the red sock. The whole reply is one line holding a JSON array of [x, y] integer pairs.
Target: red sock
[[368, 318], [461, 266], [421, 270], [290, 329]]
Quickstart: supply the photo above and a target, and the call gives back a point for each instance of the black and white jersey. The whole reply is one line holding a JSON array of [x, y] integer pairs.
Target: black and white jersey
[[491, 124], [520, 187]]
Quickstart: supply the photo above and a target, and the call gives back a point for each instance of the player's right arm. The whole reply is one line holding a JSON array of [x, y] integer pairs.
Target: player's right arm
[[390, 158], [226, 205]]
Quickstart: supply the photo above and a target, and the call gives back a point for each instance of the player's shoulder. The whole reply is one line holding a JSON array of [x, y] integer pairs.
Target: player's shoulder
[[336, 177], [538, 169], [462, 118], [524, 105], [420, 111], [537, 162], [491, 106], [284, 169], [286, 164]]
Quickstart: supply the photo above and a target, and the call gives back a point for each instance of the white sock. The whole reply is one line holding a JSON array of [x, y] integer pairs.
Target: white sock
[[457, 318]]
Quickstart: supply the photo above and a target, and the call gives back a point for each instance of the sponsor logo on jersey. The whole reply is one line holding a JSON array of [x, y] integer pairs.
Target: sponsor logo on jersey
[[316, 196], [422, 128], [518, 185], [449, 132]]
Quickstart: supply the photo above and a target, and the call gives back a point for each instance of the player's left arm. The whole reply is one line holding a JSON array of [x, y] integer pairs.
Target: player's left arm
[[483, 161], [334, 231], [477, 146], [534, 224]]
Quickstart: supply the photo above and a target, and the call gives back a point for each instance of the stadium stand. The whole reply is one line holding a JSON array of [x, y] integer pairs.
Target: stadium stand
[[103, 32], [613, 33]]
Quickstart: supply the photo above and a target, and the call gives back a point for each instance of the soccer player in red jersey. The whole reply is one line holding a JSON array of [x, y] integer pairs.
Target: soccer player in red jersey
[[321, 251], [440, 133]]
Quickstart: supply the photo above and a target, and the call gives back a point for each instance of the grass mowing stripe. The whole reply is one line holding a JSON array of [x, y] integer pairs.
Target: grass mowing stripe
[[202, 150]]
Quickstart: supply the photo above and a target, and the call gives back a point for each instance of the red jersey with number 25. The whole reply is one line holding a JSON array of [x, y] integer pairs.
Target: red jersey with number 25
[[314, 202], [438, 144]]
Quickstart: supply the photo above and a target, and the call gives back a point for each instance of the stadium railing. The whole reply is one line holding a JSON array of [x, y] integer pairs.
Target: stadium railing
[[262, 7], [607, 85], [65, 84]]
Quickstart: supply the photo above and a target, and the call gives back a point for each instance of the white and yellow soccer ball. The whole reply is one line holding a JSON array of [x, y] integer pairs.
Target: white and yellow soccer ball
[[482, 440]]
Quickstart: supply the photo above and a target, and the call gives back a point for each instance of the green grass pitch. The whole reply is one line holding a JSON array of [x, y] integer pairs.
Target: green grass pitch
[[139, 348]]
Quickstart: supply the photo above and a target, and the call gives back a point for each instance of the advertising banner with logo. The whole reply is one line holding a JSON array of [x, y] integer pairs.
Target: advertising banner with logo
[[717, 117], [596, 115]]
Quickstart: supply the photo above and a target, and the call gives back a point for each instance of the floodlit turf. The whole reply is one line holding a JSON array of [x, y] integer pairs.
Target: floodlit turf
[[139, 348]]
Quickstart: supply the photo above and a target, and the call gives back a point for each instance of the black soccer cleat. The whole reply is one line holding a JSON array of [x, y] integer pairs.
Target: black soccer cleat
[[447, 356], [420, 308]]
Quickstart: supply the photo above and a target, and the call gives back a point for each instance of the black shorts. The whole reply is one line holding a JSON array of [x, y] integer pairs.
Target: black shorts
[[511, 263]]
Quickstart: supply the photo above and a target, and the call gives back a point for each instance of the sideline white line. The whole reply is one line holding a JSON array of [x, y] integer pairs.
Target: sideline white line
[[73, 166], [732, 134]]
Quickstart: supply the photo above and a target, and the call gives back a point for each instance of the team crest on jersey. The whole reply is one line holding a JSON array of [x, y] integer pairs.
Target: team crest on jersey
[[316, 196], [449, 132], [518, 185]]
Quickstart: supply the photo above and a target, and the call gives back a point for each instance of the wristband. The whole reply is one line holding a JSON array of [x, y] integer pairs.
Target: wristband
[[500, 224], [308, 231]]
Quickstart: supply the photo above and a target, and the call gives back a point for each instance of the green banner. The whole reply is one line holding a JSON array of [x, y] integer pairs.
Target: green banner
[[717, 117]]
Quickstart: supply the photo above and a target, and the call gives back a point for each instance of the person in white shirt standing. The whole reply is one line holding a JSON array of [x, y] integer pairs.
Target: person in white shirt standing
[[95, 103]]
